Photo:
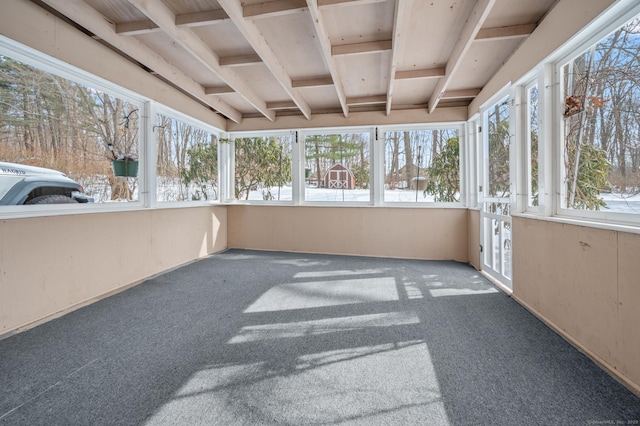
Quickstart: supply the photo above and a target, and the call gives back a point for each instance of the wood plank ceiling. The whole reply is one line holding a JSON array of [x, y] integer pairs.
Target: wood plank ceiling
[[257, 58]]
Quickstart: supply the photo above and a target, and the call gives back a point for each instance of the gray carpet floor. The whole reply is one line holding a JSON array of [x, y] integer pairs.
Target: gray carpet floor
[[261, 338]]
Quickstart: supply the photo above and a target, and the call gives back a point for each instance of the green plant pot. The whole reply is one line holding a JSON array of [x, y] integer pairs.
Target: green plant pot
[[124, 168]]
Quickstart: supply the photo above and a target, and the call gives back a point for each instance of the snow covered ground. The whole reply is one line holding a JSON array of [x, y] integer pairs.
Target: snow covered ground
[[166, 192], [620, 204], [315, 194]]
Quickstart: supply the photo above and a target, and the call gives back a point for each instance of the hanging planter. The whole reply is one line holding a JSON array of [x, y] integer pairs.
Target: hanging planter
[[126, 165]]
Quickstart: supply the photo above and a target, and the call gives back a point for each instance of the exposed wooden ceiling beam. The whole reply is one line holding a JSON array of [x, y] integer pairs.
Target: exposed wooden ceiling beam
[[159, 13], [255, 38], [424, 73], [312, 82], [461, 94], [334, 3], [240, 60], [367, 100], [358, 48], [199, 19], [137, 27], [273, 8], [399, 36], [196, 19], [284, 105], [94, 21], [218, 90], [327, 57], [474, 23], [502, 33]]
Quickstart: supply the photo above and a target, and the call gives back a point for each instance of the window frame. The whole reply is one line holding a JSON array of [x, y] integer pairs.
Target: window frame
[[301, 159], [229, 157], [147, 141], [463, 160], [154, 111], [53, 66], [577, 47]]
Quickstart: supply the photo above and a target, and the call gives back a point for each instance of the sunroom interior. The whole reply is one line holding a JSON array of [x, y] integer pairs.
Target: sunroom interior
[[499, 133]]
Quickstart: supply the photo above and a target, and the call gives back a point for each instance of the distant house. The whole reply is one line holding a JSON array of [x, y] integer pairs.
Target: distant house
[[339, 177]]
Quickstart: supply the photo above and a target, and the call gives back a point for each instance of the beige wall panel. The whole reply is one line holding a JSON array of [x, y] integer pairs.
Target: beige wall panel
[[474, 238], [30, 25], [50, 264], [387, 232], [584, 281], [629, 304], [569, 274], [200, 233]]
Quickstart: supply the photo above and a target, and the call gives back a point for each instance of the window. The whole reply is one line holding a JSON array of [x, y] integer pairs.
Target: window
[[52, 122], [187, 161], [422, 166], [497, 124], [263, 167], [601, 125], [337, 167], [532, 135]]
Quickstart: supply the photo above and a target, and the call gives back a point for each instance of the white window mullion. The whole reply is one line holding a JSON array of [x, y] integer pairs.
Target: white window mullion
[[548, 131], [298, 169], [226, 159], [149, 155], [515, 130], [377, 167]]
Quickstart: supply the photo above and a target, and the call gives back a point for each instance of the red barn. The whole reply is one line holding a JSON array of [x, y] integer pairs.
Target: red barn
[[339, 177]]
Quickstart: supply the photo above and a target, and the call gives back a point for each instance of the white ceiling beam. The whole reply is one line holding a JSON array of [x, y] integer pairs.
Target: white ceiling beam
[[240, 60], [218, 90], [255, 38], [273, 8], [159, 13], [461, 94], [334, 3], [359, 48], [505, 33], [399, 36], [188, 20], [423, 73], [312, 82], [327, 57], [467, 36], [94, 21]]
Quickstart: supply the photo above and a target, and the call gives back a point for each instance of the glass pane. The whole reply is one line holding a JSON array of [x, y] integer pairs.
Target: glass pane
[[498, 136], [506, 249], [422, 166], [187, 161], [337, 167], [487, 247], [263, 168], [601, 125], [532, 146], [55, 123], [503, 209], [496, 243]]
